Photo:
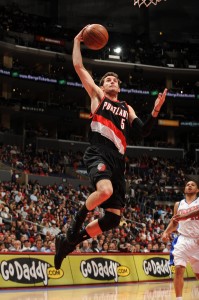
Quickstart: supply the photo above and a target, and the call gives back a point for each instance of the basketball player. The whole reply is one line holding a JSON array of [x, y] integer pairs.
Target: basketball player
[[111, 121], [186, 245]]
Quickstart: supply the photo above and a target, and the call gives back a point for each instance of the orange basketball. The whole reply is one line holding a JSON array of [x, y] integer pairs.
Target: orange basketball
[[95, 36]]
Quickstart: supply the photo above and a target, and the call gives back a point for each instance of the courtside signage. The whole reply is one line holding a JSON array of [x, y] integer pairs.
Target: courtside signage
[[103, 269], [157, 267], [95, 269], [24, 270]]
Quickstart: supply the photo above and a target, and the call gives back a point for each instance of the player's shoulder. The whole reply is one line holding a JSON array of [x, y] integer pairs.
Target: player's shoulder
[[182, 202], [178, 204]]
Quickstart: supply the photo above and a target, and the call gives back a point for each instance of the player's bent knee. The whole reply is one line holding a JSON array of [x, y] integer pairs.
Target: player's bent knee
[[106, 193], [105, 189], [108, 221]]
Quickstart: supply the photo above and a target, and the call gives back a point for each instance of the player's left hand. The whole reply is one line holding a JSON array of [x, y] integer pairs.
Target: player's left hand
[[165, 237], [160, 100]]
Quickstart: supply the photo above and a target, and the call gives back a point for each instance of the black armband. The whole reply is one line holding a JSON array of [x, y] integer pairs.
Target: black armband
[[144, 129]]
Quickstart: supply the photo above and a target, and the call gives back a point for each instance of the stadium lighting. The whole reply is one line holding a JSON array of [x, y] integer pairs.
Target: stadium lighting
[[117, 50]]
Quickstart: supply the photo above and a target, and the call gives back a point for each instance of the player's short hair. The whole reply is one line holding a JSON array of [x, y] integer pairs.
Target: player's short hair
[[109, 74]]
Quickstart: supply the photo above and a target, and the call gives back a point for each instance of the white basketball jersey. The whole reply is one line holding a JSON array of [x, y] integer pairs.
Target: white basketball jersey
[[189, 227]]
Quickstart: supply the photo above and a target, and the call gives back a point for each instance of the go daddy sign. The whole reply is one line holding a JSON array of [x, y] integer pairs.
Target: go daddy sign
[[18, 270], [105, 268], [24, 270]]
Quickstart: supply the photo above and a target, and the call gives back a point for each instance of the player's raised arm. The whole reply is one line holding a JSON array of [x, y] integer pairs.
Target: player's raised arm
[[144, 128], [85, 77]]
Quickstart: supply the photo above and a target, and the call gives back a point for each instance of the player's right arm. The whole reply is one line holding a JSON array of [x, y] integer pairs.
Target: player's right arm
[[194, 213], [95, 93], [172, 225]]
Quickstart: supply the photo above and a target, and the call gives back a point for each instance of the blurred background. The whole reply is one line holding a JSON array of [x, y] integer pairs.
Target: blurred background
[[150, 48]]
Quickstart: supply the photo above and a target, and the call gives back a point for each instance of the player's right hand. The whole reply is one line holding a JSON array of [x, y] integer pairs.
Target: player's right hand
[[178, 218]]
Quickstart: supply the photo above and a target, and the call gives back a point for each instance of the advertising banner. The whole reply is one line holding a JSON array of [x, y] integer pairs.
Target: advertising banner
[[156, 267], [45, 39], [29, 270], [152, 267], [32, 270], [95, 269]]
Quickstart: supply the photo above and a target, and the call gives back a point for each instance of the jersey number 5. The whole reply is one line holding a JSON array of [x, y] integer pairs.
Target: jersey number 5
[[122, 123]]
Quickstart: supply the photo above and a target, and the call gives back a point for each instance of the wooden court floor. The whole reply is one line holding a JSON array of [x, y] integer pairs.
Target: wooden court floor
[[135, 291]]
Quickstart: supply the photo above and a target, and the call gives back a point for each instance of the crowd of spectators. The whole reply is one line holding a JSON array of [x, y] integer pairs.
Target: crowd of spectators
[[42, 162], [31, 215], [154, 176], [145, 169]]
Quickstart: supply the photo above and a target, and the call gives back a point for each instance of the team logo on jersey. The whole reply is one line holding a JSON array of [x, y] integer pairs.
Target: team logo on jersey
[[101, 167]]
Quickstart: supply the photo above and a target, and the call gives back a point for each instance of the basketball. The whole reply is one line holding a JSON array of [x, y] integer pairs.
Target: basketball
[[95, 36]]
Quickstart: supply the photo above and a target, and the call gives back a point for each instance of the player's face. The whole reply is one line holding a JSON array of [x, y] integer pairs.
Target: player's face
[[111, 85], [191, 188]]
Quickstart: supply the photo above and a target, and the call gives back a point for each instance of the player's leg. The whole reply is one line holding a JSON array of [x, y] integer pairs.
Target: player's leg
[[104, 190], [182, 254], [101, 177], [99, 171], [194, 261], [110, 220], [66, 244], [179, 280]]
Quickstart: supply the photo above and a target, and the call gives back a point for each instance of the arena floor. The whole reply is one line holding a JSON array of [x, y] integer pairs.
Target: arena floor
[[136, 291]]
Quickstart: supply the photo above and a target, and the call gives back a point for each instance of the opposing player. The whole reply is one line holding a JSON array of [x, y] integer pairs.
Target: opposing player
[[186, 245], [110, 124]]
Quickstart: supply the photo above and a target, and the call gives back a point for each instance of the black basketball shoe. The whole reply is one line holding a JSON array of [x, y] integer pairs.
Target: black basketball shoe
[[62, 248]]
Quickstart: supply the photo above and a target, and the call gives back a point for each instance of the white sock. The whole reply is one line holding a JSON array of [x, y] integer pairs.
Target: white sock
[[178, 298]]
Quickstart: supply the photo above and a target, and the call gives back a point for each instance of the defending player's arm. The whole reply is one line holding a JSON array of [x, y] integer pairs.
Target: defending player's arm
[[186, 216], [171, 227], [144, 129]]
